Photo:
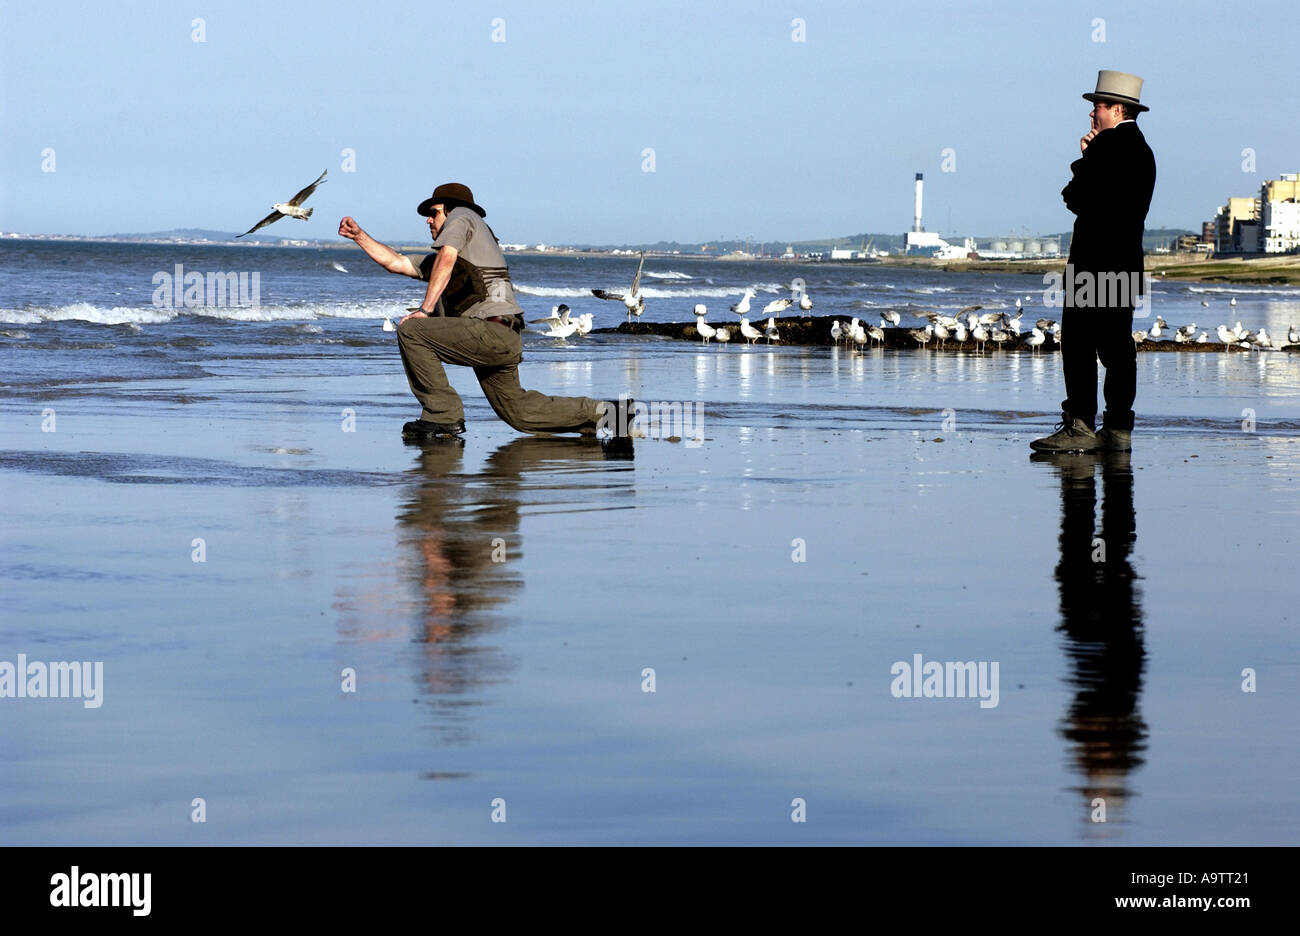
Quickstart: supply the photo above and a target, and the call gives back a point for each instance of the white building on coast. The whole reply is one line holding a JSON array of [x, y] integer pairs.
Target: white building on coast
[[1268, 224]]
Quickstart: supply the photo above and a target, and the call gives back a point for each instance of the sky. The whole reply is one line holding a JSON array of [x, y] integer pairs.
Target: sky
[[765, 120]]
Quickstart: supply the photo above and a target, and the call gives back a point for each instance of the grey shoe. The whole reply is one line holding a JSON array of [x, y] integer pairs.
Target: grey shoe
[[1115, 440], [1071, 435]]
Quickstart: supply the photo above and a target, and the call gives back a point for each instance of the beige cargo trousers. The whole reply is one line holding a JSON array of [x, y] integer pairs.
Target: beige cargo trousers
[[494, 351]]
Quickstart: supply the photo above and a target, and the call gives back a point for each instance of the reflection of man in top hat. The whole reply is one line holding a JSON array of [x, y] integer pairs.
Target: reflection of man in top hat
[[469, 316], [1109, 194], [1101, 618]]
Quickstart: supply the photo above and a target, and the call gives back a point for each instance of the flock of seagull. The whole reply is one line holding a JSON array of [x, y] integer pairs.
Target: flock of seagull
[[798, 297], [969, 324], [1234, 336], [999, 328]]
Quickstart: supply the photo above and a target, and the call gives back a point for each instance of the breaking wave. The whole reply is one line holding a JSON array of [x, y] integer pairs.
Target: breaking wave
[[149, 315], [1237, 290]]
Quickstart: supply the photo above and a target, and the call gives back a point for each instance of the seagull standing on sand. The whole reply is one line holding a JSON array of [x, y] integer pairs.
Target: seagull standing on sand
[[771, 332], [1036, 338], [981, 335], [749, 332], [289, 208], [706, 331], [876, 333], [724, 335], [632, 298], [922, 335], [836, 332]]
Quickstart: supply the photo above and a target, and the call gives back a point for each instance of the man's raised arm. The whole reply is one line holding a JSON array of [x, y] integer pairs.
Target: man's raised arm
[[385, 256]]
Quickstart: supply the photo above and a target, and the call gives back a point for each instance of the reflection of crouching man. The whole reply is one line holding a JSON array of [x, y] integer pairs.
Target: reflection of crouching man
[[1109, 194], [469, 317]]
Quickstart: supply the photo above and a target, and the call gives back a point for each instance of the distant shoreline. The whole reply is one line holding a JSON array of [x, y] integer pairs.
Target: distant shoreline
[[1278, 270]]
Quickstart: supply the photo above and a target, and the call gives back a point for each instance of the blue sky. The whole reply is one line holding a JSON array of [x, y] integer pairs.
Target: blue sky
[[754, 134]]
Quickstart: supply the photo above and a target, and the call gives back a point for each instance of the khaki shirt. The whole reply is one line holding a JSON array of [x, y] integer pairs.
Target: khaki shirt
[[473, 240]]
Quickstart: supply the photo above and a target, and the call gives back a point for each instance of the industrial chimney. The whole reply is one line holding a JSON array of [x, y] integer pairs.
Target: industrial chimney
[[916, 221]]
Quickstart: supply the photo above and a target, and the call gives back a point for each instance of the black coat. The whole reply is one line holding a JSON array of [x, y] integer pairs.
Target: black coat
[[1110, 194]]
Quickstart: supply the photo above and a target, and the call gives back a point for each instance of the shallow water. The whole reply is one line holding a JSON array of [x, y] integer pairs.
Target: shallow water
[[522, 679]]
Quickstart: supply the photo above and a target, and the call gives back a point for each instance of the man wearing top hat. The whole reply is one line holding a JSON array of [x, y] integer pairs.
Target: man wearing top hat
[[1109, 195], [469, 316]]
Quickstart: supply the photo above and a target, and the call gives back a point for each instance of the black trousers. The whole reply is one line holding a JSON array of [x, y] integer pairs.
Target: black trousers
[[1089, 334]]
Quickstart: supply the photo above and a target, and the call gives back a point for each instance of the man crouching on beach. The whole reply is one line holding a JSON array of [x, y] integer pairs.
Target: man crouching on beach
[[469, 317]]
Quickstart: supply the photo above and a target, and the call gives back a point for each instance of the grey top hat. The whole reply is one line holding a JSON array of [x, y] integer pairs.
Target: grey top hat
[[1118, 87]]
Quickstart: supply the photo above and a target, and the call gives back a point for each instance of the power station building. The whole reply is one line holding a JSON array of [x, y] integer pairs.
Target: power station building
[[922, 243], [919, 242]]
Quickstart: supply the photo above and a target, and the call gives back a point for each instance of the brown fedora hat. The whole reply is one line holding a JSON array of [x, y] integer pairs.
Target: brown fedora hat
[[1115, 87], [453, 192]]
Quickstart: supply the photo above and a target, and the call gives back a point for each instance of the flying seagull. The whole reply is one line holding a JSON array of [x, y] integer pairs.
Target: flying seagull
[[289, 208], [632, 298]]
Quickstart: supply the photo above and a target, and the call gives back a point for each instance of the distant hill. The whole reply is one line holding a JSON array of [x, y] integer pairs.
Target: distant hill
[[204, 234]]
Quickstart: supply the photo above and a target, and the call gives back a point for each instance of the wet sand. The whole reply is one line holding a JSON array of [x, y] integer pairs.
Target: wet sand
[[903, 482]]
